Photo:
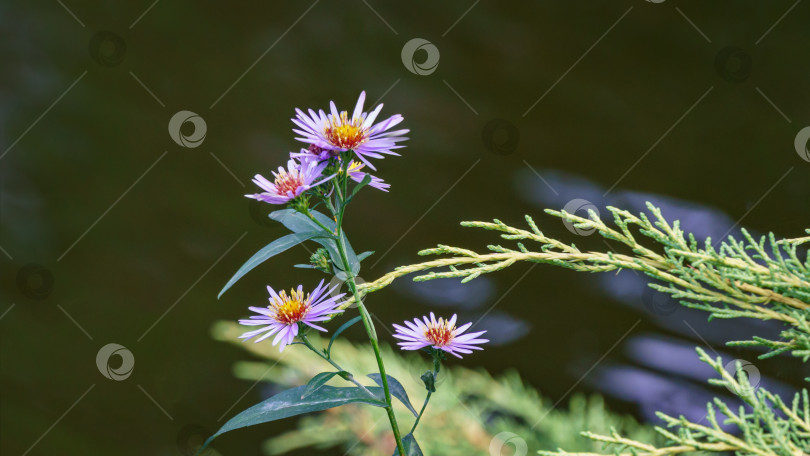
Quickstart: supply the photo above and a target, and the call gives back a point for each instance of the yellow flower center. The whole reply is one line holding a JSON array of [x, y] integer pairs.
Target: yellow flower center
[[288, 181], [291, 309], [441, 333], [344, 133], [355, 166]]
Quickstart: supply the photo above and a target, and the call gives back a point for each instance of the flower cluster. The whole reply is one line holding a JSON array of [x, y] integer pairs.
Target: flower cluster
[[329, 135], [335, 140], [326, 176]]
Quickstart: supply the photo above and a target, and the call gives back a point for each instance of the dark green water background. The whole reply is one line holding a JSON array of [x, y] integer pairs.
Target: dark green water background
[[150, 255]]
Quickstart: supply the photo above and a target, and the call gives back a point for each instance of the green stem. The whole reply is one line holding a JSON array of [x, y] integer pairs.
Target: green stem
[[350, 378], [419, 417], [367, 323], [436, 368]]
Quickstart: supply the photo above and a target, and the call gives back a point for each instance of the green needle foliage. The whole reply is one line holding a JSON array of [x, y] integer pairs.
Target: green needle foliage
[[766, 426], [763, 279]]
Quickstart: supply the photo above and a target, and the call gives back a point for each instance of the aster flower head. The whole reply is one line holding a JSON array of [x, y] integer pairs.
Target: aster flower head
[[355, 173], [439, 334], [286, 311], [288, 184], [337, 131]]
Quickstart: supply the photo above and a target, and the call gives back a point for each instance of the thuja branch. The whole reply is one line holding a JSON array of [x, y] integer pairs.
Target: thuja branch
[[767, 427], [749, 278]]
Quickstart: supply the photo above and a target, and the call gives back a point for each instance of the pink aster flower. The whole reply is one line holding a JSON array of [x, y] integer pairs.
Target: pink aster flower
[[339, 132], [356, 175], [285, 311], [440, 334], [290, 183]]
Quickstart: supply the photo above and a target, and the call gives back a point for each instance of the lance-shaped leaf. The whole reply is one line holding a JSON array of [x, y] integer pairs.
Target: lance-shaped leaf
[[300, 223], [270, 250], [290, 403], [396, 389], [411, 447], [319, 381], [342, 328]]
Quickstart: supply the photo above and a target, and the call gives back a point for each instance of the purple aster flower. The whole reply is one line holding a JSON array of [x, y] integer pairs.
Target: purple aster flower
[[285, 311], [338, 131], [356, 175], [440, 334], [290, 183]]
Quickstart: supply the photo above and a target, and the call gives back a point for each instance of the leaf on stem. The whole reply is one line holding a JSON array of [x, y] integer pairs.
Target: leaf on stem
[[364, 255], [411, 447], [357, 187], [396, 389], [300, 223], [342, 328], [318, 381], [274, 248], [290, 403]]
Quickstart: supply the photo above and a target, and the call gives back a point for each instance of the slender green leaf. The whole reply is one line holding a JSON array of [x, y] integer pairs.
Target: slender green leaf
[[289, 403], [396, 389], [411, 447], [318, 381], [342, 328], [274, 248], [300, 223], [361, 184], [364, 255]]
